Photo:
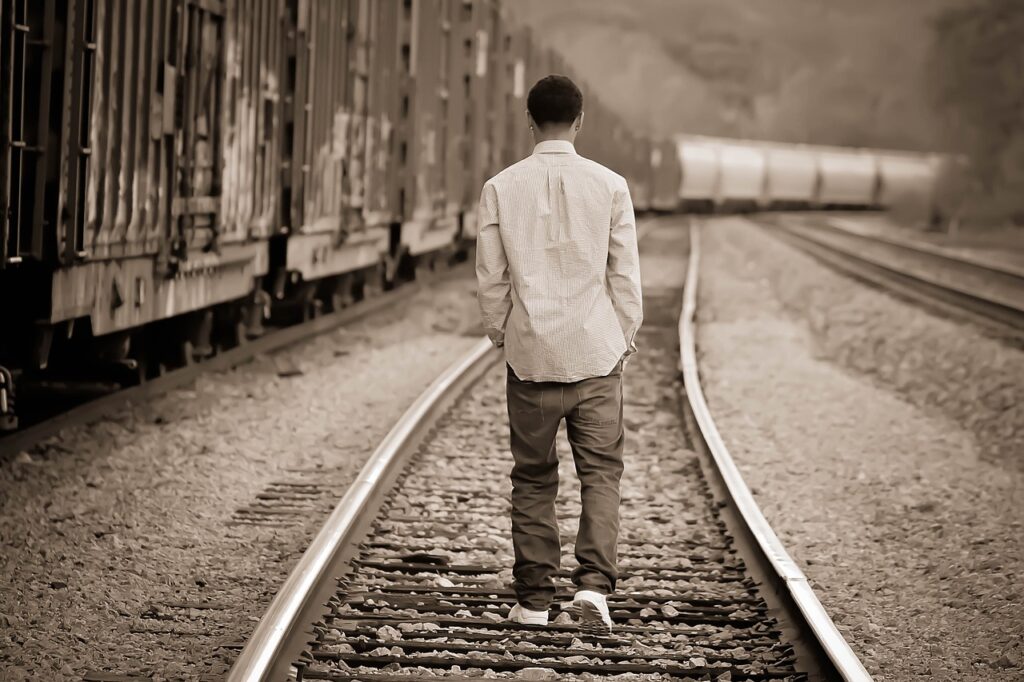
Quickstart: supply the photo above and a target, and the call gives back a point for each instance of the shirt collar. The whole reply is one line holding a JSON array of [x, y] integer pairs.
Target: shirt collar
[[554, 147]]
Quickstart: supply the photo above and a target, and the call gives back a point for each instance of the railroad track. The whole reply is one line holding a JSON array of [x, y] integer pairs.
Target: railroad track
[[275, 338], [989, 294], [409, 578]]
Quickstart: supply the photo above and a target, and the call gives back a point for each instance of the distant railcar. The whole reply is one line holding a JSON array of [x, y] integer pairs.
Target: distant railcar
[[907, 180], [791, 176], [699, 168], [741, 176], [847, 179]]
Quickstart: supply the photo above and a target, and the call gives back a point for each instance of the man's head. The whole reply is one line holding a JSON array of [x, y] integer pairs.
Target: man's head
[[554, 108]]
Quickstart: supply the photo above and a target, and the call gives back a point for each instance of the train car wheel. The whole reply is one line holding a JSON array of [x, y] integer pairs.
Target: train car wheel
[[342, 292], [374, 280]]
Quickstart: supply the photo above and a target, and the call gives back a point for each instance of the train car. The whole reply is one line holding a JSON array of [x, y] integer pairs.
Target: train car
[[791, 177], [135, 194], [907, 181], [334, 232], [847, 179], [741, 176], [699, 171]]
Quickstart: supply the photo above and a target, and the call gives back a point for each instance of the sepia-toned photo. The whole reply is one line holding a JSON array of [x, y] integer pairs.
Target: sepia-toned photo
[[630, 340]]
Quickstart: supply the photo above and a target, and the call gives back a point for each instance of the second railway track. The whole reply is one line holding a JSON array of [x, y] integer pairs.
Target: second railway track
[[414, 582], [987, 293]]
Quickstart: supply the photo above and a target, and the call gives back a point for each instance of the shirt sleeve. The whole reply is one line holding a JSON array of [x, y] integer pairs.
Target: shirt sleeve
[[494, 289], [624, 268]]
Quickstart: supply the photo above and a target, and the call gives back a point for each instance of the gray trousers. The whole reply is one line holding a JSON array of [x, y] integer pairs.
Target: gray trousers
[[592, 409]]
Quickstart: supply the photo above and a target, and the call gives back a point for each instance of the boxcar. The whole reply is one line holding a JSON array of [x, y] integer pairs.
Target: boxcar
[[138, 193], [333, 227], [907, 180], [847, 179], [741, 176], [791, 176], [698, 161]]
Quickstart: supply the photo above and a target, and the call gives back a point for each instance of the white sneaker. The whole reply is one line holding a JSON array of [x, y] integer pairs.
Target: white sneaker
[[590, 612], [524, 616]]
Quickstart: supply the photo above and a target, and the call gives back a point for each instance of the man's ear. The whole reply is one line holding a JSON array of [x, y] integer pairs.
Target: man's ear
[[579, 121], [529, 120]]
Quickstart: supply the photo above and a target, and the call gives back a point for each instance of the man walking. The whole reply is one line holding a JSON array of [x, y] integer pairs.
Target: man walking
[[559, 290]]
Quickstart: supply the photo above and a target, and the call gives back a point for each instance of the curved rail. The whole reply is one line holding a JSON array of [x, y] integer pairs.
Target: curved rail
[[262, 652], [816, 628]]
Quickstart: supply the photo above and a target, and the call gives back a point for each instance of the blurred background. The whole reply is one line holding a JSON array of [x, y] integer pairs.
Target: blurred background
[[936, 75]]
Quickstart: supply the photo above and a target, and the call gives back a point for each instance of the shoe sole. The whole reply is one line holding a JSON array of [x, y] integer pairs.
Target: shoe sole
[[587, 618]]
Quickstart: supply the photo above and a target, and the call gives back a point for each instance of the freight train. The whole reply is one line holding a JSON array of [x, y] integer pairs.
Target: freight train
[[726, 173], [175, 171]]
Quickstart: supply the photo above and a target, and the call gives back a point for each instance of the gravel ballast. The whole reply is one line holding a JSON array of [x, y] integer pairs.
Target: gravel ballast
[[150, 543], [883, 445]]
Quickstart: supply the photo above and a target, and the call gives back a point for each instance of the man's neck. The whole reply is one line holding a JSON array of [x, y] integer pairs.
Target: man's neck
[[561, 135]]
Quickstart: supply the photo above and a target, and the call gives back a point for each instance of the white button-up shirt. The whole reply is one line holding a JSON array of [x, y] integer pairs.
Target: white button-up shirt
[[557, 265]]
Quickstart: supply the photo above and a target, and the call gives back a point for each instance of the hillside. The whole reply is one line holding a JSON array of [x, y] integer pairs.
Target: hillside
[[843, 71]]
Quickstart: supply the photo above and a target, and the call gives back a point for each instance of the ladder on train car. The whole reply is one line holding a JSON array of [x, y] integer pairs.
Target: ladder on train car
[[26, 67]]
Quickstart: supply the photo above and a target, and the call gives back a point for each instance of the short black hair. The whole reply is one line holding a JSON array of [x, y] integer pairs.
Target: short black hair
[[554, 99]]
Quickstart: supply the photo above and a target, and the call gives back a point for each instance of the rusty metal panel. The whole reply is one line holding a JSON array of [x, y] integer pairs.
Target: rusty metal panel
[[480, 76], [233, 161], [76, 116], [423, 188], [457, 64], [309, 92], [339, 158], [119, 81], [498, 89], [513, 95], [172, 113], [357, 101], [142, 168], [517, 136], [381, 192]]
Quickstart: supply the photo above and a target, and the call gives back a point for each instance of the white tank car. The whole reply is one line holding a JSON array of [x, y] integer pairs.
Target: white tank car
[[907, 180], [698, 161], [791, 176], [847, 178], [741, 175]]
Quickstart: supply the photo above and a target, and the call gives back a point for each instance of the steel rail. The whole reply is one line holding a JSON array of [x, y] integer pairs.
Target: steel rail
[[261, 658], [1005, 286], [958, 258], [815, 628]]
